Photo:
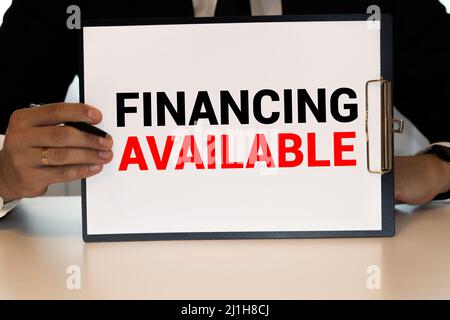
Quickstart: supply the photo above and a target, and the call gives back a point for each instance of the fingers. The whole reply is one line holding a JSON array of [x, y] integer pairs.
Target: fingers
[[70, 173], [65, 136], [54, 114], [69, 156]]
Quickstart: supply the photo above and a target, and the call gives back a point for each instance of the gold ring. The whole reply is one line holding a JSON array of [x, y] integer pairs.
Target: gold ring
[[44, 156]]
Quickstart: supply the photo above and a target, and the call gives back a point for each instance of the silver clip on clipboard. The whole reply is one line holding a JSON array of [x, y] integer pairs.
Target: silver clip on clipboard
[[388, 126]]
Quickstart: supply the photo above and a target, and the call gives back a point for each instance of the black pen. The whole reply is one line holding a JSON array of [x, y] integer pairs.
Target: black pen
[[82, 126], [86, 127]]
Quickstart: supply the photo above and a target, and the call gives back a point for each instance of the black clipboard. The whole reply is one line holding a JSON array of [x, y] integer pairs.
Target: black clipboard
[[387, 180]]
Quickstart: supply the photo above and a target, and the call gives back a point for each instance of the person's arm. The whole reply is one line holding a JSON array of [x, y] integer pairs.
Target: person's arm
[[420, 179], [70, 154], [38, 55], [38, 60], [422, 94]]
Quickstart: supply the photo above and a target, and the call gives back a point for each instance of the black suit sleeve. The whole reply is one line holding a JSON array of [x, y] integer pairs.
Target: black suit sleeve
[[38, 57], [422, 63]]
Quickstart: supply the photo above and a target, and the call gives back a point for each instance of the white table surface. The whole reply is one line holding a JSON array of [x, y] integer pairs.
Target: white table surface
[[42, 238]]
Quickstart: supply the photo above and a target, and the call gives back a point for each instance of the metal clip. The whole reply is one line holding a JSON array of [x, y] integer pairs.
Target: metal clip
[[400, 125], [386, 126]]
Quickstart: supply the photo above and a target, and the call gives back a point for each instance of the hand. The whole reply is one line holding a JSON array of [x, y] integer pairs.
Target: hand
[[72, 154], [419, 179]]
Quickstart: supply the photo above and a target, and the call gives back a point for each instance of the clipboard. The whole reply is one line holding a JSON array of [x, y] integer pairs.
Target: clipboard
[[190, 55]]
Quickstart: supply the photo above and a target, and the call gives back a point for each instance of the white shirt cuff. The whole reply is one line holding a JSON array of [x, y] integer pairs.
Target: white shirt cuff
[[8, 206]]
